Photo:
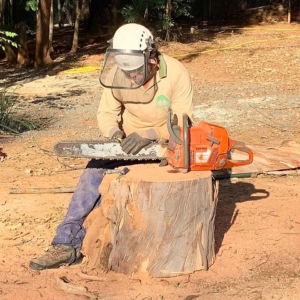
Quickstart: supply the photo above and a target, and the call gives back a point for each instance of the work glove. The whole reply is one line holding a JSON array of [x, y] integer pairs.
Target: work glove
[[134, 143], [118, 135]]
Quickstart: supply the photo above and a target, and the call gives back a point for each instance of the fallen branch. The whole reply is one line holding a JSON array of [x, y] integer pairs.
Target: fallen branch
[[90, 277], [42, 190], [4, 136]]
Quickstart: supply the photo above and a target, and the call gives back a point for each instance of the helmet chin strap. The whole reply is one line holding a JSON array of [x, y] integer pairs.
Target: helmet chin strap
[[153, 61], [153, 64]]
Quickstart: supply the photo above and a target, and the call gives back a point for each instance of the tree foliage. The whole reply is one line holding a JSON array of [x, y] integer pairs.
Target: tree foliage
[[142, 11], [157, 12], [31, 5], [6, 37]]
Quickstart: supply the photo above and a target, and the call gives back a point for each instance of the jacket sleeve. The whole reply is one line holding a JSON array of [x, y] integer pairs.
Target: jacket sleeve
[[182, 97], [109, 113]]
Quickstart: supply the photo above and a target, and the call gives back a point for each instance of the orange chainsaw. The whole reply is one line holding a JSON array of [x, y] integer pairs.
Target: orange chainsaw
[[203, 147], [191, 148]]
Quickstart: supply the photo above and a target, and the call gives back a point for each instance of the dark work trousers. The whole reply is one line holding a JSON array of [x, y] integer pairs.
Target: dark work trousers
[[86, 197]]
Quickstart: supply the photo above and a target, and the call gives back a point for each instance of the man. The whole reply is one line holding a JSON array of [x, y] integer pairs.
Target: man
[[140, 86]]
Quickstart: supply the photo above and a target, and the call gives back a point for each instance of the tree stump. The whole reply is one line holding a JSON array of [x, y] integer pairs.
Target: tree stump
[[153, 222]]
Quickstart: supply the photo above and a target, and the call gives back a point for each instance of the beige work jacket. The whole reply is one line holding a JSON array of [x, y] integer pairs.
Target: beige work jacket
[[141, 109]]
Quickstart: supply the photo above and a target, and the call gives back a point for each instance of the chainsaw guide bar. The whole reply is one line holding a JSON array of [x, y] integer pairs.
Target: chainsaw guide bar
[[108, 149]]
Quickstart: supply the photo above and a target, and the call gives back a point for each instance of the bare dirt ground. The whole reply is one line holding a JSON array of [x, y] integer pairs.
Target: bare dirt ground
[[244, 79]]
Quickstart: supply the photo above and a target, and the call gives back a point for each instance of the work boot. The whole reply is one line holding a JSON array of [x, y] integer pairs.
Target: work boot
[[56, 256]]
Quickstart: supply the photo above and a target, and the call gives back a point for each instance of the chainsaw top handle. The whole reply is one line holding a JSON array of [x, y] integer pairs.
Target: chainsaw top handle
[[175, 135]]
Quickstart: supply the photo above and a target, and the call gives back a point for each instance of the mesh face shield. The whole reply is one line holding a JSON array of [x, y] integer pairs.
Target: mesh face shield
[[124, 69]]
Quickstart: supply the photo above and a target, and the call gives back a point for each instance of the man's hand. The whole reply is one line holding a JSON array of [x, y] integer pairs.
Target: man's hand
[[118, 135], [134, 143]]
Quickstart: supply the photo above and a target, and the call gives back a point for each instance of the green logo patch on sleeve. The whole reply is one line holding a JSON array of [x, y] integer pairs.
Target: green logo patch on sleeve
[[162, 101]]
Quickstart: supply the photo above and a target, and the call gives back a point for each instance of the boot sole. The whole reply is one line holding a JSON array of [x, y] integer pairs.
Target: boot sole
[[37, 267]]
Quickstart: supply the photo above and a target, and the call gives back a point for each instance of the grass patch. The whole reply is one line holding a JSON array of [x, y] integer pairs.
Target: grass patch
[[10, 120]]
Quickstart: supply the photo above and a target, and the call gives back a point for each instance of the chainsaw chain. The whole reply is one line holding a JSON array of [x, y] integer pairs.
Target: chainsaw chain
[[77, 143]]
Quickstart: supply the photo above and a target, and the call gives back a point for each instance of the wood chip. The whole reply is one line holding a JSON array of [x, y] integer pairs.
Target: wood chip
[[62, 284]]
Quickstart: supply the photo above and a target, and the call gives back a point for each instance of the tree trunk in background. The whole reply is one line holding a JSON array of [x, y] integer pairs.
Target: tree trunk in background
[[85, 10], [10, 53], [51, 50], [23, 56], [42, 53], [76, 26], [11, 10], [2, 9], [168, 17], [114, 12], [68, 9], [290, 12], [59, 13]]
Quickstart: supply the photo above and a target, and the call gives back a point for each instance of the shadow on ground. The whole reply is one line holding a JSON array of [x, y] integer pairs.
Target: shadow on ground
[[231, 193]]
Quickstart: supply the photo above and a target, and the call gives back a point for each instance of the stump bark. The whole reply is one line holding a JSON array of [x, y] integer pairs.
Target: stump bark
[[153, 222]]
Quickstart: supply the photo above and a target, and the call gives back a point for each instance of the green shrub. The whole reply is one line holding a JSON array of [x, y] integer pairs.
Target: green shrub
[[10, 121]]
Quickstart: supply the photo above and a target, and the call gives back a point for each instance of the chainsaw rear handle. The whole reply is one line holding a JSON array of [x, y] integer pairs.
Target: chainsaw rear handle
[[240, 146], [176, 138]]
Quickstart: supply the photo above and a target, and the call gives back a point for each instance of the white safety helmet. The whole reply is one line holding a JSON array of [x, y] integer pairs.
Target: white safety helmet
[[128, 55], [132, 37]]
